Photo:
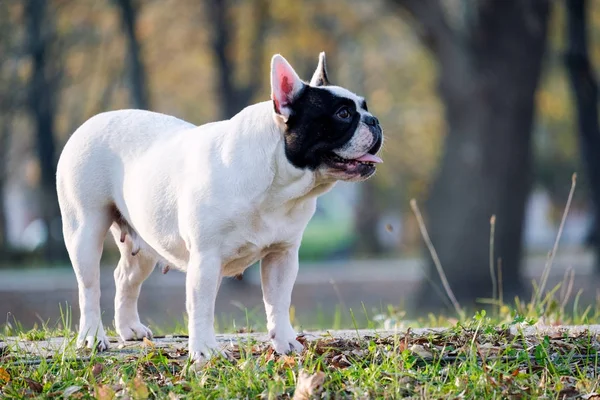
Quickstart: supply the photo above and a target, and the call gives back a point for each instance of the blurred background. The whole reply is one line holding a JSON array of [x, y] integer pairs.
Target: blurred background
[[488, 108]]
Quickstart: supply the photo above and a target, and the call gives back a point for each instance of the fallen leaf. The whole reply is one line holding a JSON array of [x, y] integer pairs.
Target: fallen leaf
[[359, 352], [420, 351], [301, 339], [104, 392], [70, 390], [173, 396], [340, 361], [147, 342], [139, 389], [34, 385], [308, 385], [591, 396], [97, 369], [288, 361], [4, 375]]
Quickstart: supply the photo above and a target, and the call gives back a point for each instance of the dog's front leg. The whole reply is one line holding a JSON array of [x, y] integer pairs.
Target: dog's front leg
[[201, 284], [278, 273]]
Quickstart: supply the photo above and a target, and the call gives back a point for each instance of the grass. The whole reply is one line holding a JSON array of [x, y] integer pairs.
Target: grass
[[481, 356]]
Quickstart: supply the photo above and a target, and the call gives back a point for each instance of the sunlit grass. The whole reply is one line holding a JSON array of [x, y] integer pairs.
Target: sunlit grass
[[478, 356]]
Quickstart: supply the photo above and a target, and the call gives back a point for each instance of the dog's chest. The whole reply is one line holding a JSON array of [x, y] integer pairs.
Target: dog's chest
[[263, 232]]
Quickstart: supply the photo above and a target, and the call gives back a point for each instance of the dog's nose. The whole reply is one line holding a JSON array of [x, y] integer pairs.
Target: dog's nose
[[371, 120]]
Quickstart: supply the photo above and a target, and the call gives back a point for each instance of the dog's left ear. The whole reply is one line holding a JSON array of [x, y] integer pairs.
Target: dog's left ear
[[319, 78], [285, 86]]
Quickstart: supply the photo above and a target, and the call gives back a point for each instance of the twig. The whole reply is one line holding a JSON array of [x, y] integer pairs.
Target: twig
[[492, 273], [548, 266], [500, 283], [434, 256], [571, 272]]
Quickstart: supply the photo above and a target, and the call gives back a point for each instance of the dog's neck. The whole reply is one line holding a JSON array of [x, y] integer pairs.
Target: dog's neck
[[290, 184]]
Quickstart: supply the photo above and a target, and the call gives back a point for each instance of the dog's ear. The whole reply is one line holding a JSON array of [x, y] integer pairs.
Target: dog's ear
[[285, 86], [319, 78]]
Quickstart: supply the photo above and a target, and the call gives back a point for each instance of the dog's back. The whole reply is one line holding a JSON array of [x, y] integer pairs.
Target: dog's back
[[92, 159]]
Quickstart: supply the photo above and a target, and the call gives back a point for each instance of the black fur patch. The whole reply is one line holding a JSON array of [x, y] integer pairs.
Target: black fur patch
[[314, 130]]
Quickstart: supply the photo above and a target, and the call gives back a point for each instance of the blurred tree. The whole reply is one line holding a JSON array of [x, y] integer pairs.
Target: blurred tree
[[585, 94], [8, 104], [489, 56], [135, 66], [43, 84], [235, 96]]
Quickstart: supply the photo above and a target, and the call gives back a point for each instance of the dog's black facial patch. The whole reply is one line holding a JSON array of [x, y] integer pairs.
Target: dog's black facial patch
[[318, 125]]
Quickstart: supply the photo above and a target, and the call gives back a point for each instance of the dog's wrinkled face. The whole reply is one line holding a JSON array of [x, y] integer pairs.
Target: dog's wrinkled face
[[327, 128]]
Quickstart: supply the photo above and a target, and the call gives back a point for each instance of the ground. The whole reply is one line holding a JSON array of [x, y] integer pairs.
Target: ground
[[475, 358]]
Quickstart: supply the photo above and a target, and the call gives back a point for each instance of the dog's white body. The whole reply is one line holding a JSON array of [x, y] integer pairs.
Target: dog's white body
[[213, 217], [208, 200]]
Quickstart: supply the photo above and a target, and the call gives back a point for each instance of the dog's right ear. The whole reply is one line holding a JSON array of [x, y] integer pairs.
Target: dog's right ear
[[319, 78], [285, 86]]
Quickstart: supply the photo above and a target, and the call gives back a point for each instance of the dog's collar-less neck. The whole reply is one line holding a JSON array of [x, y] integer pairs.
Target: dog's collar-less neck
[[290, 183]]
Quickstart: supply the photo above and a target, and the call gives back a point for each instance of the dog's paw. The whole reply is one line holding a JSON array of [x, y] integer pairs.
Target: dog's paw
[[284, 341], [133, 331], [201, 352], [99, 341]]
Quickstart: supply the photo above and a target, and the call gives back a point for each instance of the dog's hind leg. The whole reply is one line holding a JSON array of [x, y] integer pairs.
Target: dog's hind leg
[[131, 272], [84, 238]]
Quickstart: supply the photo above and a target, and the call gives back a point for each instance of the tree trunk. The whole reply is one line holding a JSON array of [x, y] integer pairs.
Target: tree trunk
[[4, 132], [41, 99], [220, 43], [585, 95], [136, 69], [232, 97], [367, 220], [488, 73]]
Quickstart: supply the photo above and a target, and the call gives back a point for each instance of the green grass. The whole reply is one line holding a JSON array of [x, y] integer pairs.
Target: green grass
[[481, 356]]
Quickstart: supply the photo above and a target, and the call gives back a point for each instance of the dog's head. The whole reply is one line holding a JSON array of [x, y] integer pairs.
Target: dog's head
[[327, 128]]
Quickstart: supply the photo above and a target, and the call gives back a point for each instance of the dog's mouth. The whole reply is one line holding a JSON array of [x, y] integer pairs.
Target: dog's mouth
[[364, 165]]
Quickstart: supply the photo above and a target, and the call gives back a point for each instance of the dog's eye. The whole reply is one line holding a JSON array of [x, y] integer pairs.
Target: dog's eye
[[343, 113]]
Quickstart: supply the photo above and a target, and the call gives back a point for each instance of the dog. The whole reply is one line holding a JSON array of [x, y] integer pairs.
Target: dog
[[209, 200]]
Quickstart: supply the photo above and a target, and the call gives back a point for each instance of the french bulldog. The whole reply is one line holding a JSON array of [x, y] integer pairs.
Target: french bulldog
[[209, 200]]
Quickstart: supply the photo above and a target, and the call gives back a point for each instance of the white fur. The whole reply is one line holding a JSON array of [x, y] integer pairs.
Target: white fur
[[208, 200]]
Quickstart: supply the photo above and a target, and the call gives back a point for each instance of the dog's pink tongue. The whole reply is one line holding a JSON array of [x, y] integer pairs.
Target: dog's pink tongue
[[370, 158]]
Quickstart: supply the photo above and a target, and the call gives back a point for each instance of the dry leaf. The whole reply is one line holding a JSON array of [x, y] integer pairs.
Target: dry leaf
[[302, 340], [34, 385], [139, 389], [147, 342], [420, 351], [4, 375], [308, 386], [288, 361], [591, 396], [340, 361], [359, 353], [104, 392], [70, 390], [97, 369]]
